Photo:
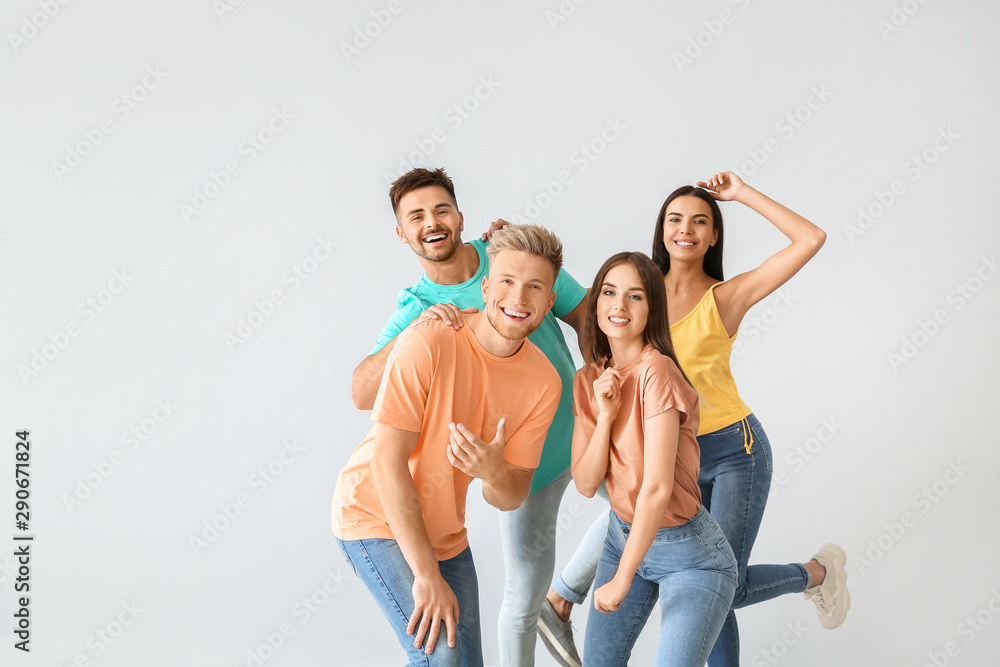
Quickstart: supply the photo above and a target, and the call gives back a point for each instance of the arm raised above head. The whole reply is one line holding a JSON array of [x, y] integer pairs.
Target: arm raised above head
[[737, 295]]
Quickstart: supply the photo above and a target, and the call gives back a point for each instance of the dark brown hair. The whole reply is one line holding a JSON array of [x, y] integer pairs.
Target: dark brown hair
[[712, 263], [420, 178], [657, 333]]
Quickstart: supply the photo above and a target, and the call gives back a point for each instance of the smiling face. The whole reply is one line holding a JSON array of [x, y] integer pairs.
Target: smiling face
[[688, 229], [428, 221], [518, 292], [622, 305]]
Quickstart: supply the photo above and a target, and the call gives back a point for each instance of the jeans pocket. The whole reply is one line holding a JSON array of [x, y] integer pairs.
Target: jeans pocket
[[720, 551], [762, 445]]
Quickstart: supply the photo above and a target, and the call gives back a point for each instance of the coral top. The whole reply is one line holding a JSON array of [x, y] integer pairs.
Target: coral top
[[436, 375], [651, 385]]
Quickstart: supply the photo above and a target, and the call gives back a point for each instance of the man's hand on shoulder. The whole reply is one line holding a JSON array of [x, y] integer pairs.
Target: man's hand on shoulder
[[448, 313]]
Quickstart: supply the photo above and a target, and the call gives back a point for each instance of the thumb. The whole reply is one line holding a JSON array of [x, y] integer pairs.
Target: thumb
[[470, 310], [501, 436]]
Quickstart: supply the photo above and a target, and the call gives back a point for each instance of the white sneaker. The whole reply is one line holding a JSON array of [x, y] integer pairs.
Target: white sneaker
[[831, 597]]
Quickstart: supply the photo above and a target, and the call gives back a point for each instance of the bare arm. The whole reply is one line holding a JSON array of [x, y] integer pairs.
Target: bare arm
[[368, 375], [660, 434], [737, 295], [434, 602], [589, 462]]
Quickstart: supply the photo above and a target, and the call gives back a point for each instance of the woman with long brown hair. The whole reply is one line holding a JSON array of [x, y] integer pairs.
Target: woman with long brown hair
[[636, 425]]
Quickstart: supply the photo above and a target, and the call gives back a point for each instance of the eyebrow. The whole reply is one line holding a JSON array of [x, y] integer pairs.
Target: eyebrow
[[696, 215], [630, 289]]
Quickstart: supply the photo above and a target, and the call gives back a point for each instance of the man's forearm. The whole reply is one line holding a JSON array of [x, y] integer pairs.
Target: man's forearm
[[368, 375], [508, 490], [403, 514]]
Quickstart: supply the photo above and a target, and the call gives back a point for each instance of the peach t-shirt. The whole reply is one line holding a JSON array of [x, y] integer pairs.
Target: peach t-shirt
[[436, 375], [651, 385]]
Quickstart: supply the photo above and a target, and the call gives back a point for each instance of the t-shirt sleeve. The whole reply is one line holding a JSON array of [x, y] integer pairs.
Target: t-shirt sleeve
[[663, 388], [524, 447], [569, 294], [402, 394], [408, 308]]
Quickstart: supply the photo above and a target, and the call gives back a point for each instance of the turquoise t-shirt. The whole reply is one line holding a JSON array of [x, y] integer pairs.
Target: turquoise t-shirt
[[548, 337]]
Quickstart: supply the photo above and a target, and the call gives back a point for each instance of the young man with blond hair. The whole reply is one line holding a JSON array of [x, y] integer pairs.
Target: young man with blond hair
[[399, 504], [429, 221]]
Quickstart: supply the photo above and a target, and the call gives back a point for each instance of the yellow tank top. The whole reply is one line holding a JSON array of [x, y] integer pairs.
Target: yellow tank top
[[703, 347]]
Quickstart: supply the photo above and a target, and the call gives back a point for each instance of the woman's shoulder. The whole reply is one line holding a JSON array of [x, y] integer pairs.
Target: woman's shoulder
[[657, 365], [590, 371]]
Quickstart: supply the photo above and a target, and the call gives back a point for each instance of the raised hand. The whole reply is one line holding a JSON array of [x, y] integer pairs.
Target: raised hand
[[723, 186], [607, 391], [482, 460]]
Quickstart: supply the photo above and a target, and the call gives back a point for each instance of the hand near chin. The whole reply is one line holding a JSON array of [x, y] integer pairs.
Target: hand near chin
[[608, 392], [723, 186]]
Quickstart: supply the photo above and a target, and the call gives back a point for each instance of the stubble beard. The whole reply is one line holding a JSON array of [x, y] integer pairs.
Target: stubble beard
[[506, 329]]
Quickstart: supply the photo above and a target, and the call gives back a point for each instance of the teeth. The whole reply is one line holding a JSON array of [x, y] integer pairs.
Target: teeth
[[686, 244], [619, 320], [514, 313], [436, 237]]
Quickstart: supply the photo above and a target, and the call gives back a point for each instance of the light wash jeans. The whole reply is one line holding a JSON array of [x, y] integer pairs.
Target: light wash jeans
[[734, 487], [528, 535], [690, 570], [380, 565], [577, 577]]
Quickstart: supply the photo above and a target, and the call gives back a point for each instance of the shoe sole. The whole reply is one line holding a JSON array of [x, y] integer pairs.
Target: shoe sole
[[557, 650]]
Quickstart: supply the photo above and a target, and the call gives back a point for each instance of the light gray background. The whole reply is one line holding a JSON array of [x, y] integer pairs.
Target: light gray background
[[894, 76]]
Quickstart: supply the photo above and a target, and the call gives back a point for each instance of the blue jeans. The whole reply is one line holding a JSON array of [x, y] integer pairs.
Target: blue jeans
[[691, 570], [734, 487], [577, 577], [380, 565]]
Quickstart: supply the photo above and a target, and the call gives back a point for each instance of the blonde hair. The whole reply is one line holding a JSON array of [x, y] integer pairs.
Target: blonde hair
[[532, 239]]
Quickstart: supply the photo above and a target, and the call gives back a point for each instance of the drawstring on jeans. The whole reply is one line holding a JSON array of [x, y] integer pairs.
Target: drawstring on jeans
[[747, 444]]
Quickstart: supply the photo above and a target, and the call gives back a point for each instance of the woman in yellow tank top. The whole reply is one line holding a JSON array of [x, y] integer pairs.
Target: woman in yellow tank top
[[705, 312]]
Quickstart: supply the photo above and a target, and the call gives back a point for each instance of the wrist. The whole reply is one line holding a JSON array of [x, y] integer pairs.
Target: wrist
[[744, 193], [622, 577], [429, 572]]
